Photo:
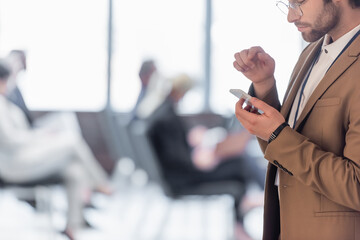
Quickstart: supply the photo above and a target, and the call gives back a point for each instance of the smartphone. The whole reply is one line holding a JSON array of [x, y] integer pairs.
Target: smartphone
[[241, 94]]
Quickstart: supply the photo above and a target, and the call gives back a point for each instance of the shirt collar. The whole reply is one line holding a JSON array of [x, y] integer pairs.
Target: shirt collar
[[333, 49]]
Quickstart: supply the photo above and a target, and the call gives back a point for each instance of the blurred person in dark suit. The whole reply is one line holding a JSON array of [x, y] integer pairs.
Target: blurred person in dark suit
[[182, 161], [178, 150], [35, 154]]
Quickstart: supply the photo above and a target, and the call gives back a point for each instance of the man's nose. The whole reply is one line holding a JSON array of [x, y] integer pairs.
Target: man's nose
[[293, 15]]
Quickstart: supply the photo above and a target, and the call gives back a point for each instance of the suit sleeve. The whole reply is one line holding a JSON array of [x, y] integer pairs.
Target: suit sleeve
[[272, 99]]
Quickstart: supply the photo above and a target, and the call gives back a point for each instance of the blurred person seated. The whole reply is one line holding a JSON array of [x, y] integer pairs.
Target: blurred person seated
[[155, 88], [17, 62], [64, 121], [147, 69], [186, 159], [36, 154], [212, 146]]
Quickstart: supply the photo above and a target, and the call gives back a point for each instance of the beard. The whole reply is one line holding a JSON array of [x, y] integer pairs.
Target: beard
[[324, 23]]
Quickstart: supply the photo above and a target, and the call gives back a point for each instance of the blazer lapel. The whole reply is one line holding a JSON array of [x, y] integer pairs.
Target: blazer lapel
[[343, 62], [296, 81]]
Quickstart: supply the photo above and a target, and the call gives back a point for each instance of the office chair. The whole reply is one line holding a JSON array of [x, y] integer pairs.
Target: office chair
[[36, 193], [147, 157]]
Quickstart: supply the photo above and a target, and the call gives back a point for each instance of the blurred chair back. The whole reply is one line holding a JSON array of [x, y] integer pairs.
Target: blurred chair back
[[149, 161], [123, 131], [99, 131], [145, 155]]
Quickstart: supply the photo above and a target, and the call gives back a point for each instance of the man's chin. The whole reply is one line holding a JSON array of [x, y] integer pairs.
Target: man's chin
[[305, 37], [310, 37]]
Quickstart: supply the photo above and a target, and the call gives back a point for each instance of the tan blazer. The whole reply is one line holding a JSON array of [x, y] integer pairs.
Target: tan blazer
[[319, 160]]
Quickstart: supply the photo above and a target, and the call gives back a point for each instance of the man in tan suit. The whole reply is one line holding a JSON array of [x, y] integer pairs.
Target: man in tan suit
[[312, 141]]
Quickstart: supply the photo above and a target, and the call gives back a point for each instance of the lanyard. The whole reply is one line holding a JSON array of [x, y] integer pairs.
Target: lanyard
[[304, 83], [311, 67]]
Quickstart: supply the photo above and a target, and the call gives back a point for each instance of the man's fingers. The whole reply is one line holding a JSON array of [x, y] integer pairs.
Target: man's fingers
[[247, 59], [237, 67], [248, 108], [253, 52], [243, 61], [244, 116], [248, 62], [264, 57], [237, 56], [241, 102], [250, 57], [260, 105]]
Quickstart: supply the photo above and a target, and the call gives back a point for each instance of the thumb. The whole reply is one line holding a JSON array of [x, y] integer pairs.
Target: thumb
[[257, 103]]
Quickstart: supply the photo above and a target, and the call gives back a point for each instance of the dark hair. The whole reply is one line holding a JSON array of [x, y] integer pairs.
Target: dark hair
[[21, 54], [146, 68], [354, 3], [4, 71]]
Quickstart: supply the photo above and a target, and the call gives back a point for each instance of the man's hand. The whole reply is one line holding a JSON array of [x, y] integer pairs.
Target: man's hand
[[260, 125], [258, 66]]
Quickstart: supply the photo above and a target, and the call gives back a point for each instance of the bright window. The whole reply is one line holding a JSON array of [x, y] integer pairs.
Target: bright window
[[239, 25], [170, 32], [66, 45]]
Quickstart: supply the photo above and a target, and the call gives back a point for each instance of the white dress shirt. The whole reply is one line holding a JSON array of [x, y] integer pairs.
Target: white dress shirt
[[329, 52]]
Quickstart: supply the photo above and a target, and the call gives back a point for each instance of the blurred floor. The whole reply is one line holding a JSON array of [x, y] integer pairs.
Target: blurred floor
[[137, 213]]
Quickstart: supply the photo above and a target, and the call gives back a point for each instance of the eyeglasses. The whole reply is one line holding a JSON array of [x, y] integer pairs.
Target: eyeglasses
[[284, 8]]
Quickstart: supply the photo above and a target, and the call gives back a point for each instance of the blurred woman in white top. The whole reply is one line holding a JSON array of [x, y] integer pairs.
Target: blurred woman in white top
[[32, 154]]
